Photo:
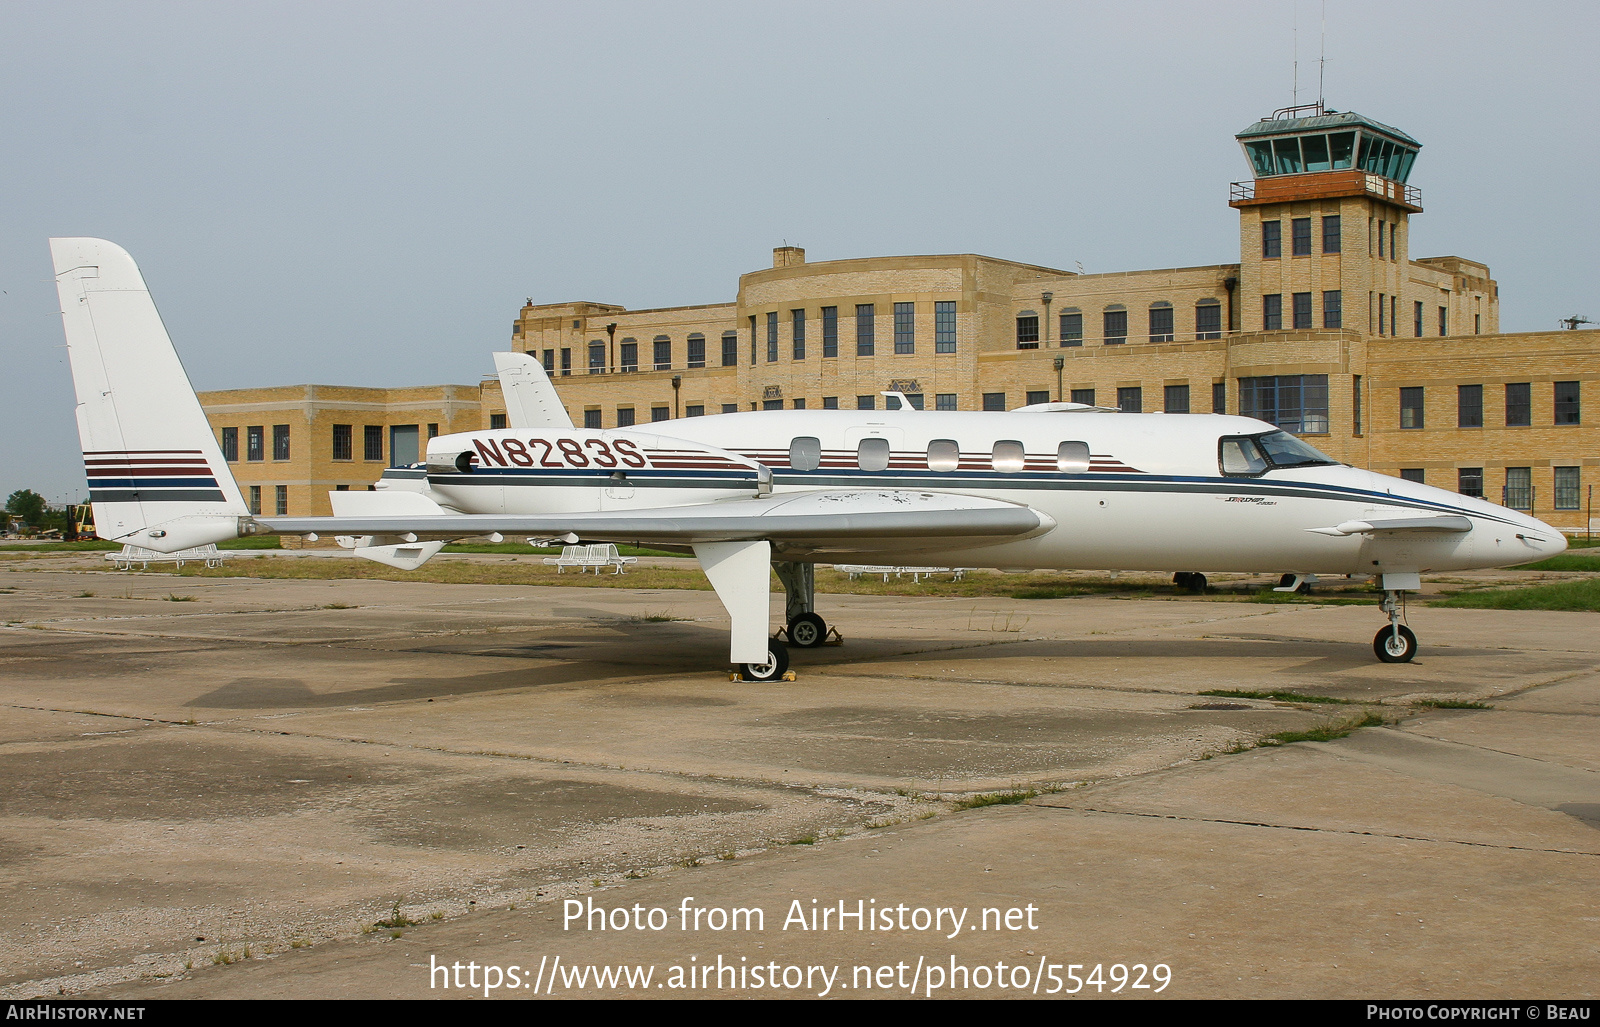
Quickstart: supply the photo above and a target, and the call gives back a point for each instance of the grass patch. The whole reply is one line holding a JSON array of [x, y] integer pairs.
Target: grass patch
[[1589, 561], [396, 920], [173, 597], [1279, 696], [1574, 596], [339, 606], [1450, 704], [1009, 798], [1326, 733], [1319, 598]]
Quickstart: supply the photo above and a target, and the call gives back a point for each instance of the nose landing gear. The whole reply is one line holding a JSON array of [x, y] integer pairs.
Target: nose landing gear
[[1395, 643]]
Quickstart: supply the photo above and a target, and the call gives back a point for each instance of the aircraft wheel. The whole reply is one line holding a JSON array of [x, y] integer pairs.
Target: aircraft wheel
[[1392, 649], [808, 631], [772, 670]]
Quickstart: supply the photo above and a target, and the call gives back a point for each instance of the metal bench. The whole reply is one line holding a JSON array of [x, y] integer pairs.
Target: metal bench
[[585, 557], [856, 570]]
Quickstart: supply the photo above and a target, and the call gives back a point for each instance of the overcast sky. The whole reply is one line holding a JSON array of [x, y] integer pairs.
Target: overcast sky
[[364, 193]]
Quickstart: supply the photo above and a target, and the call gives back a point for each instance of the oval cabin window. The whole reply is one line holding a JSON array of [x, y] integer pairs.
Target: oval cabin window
[[943, 455], [805, 453], [1007, 456], [1072, 457], [873, 455]]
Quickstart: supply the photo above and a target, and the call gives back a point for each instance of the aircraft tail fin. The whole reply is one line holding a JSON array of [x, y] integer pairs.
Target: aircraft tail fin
[[156, 474], [531, 401]]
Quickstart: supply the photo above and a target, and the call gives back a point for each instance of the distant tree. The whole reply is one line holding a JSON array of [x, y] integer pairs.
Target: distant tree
[[26, 505]]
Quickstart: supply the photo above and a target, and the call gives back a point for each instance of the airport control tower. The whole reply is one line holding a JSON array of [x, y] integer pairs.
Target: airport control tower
[[1323, 227]]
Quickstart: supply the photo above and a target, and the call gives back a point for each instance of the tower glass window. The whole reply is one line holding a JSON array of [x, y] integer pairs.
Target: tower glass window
[[1296, 403], [905, 327], [1333, 309], [866, 329], [1300, 237], [1272, 238], [1160, 324], [1072, 328], [944, 326], [1271, 312]]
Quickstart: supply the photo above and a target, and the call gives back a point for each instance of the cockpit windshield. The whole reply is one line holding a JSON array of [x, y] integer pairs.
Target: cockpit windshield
[[1250, 455]]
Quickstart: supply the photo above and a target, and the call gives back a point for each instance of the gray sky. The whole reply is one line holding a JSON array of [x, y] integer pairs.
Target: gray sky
[[364, 193]]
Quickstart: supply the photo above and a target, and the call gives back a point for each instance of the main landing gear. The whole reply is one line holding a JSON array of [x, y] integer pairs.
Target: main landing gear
[[1395, 643], [776, 665], [805, 628], [1189, 581]]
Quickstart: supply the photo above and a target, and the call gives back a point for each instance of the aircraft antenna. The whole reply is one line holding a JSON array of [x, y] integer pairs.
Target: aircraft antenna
[[1572, 323], [1295, 102], [1322, 58]]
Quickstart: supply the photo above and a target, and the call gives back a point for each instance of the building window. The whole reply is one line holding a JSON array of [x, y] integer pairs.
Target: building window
[[1116, 327], [1294, 402], [1477, 324], [1411, 407], [1208, 320], [497, 421], [372, 442], [1160, 324], [866, 402], [1333, 309], [1567, 409], [664, 413], [730, 408], [1219, 397], [1469, 481], [282, 499], [1380, 239], [1519, 404], [697, 350], [549, 361], [772, 336], [344, 446], [1130, 400], [1302, 310], [830, 331], [591, 418], [1412, 474], [1027, 331], [1038, 397], [1416, 319], [597, 358], [255, 499], [1444, 321], [1355, 404], [944, 401], [772, 404], [630, 356], [797, 329], [255, 443], [695, 410], [1072, 328], [994, 401], [624, 416], [830, 402], [662, 346], [1272, 312], [799, 404], [752, 346], [905, 328], [566, 361], [730, 349], [1382, 330], [1519, 488], [1084, 396], [1272, 238], [866, 329], [1469, 406], [1176, 399], [1300, 237], [1330, 234], [433, 431], [944, 326], [1567, 488], [230, 445]]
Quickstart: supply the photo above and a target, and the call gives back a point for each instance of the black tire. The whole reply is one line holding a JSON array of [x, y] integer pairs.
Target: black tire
[[808, 631], [1391, 649], [1189, 581], [773, 670]]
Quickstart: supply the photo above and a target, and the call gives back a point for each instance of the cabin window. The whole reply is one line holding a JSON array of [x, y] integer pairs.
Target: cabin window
[[943, 455], [873, 454], [1072, 457], [1007, 456], [805, 453]]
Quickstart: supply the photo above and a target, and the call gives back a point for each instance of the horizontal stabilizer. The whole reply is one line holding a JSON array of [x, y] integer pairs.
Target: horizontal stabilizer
[[1439, 522]]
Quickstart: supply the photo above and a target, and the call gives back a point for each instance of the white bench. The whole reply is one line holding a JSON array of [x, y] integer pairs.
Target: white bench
[[855, 570], [585, 557], [211, 556]]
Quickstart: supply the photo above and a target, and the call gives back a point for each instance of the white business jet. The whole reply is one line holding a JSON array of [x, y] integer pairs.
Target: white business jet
[[1054, 486]]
